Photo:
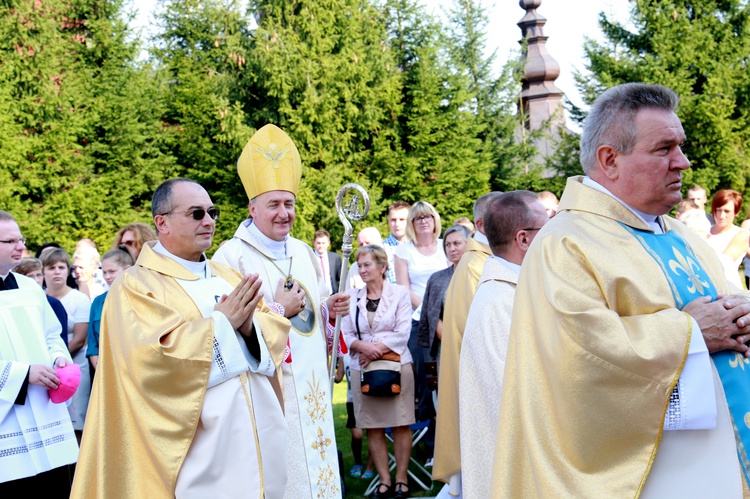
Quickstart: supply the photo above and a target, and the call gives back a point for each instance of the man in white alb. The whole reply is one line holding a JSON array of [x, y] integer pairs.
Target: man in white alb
[[270, 169]]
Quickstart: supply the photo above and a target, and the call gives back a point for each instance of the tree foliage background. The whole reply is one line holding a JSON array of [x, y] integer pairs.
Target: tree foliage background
[[699, 48], [377, 92]]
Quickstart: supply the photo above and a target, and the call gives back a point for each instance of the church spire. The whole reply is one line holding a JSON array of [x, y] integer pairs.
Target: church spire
[[540, 98]]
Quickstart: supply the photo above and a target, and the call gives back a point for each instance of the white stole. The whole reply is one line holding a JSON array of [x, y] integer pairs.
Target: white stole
[[38, 434], [312, 455]]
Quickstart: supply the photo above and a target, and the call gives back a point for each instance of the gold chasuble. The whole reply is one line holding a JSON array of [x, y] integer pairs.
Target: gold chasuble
[[597, 345], [157, 354], [458, 298]]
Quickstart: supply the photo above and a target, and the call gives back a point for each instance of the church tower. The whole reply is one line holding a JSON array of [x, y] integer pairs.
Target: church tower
[[541, 100]]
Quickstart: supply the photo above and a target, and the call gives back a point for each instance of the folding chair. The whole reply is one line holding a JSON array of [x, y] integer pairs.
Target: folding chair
[[418, 430]]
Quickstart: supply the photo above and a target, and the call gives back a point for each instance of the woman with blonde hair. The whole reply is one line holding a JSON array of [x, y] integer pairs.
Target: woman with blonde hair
[[415, 261], [421, 255]]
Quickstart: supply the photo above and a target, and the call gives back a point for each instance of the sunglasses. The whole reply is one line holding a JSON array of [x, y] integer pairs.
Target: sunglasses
[[200, 213]]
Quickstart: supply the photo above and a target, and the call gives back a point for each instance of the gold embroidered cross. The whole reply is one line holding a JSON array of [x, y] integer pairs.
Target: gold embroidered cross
[[321, 443]]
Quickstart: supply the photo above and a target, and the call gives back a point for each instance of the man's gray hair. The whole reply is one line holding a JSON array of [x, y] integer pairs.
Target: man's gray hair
[[612, 118], [6, 217], [480, 205]]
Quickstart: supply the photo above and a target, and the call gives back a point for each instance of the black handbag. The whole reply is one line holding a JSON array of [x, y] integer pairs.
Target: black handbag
[[382, 377]]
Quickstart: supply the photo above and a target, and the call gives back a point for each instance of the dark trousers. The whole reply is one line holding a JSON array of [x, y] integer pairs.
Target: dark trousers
[[53, 484], [425, 409]]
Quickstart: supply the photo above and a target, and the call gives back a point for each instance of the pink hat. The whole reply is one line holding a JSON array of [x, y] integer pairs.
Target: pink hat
[[70, 378]]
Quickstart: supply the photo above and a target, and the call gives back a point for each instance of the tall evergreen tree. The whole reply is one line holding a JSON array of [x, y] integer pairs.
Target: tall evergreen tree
[[201, 49], [325, 74], [699, 48], [79, 138], [445, 161], [495, 95]]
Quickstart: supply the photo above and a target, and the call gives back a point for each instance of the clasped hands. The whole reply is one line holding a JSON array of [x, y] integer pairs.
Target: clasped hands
[[369, 351], [239, 305], [725, 322]]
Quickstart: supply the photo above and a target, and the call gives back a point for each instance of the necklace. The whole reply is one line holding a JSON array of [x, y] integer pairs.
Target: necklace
[[289, 281], [372, 305], [427, 249]]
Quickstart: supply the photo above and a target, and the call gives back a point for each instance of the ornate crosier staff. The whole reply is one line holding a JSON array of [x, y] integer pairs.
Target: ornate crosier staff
[[346, 212]]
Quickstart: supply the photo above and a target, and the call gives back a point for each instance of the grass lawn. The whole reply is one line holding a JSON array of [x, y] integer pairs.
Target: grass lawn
[[355, 487]]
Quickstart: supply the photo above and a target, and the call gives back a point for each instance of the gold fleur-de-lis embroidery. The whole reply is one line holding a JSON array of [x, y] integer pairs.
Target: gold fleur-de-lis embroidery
[[327, 483], [316, 399], [688, 267], [739, 360], [320, 443], [273, 154]]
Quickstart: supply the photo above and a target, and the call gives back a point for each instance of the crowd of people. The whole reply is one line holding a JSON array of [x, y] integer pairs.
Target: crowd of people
[[718, 228], [588, 347]]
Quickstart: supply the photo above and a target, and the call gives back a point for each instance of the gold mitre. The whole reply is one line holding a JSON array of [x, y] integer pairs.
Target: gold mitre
[[269, 162]]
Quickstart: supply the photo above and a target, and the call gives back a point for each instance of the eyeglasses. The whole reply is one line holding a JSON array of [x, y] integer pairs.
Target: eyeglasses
[[199, 213], [424, 218], [132, 243], [528, 229], [14, 242]]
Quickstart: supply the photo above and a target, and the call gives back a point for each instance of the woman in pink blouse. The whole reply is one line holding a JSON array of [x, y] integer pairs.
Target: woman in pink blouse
[[379, 322]]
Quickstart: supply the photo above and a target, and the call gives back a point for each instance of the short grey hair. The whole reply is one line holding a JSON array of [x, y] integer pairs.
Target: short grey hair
[[6, 217], [612, 118], [462, 230]]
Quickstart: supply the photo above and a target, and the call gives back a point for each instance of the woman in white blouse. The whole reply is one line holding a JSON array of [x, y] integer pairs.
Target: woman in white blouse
[[415, 261]]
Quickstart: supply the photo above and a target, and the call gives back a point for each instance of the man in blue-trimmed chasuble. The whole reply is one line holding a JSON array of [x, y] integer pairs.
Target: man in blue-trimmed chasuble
[[627, 370]]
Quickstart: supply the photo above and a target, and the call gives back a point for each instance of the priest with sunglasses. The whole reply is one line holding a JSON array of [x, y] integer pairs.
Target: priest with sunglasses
[[185, 403], [270, 169]]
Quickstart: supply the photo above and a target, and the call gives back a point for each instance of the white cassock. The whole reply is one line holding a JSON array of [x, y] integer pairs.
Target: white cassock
[[481, 366], [37, 436], [312, 458]]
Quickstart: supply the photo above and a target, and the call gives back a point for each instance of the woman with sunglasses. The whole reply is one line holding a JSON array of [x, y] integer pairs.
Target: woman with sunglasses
[[132, 237]]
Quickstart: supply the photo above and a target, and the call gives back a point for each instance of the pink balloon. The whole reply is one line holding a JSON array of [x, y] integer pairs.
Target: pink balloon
[[70, 378]]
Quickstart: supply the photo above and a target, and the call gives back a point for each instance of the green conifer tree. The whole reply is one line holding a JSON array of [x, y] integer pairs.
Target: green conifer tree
[[699, 49], [79, 137], [201, 49], [324, 73], [445, 161], [495, 94]]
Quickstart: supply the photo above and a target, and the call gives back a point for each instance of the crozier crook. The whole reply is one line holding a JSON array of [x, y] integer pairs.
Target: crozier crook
[[349, 211]]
